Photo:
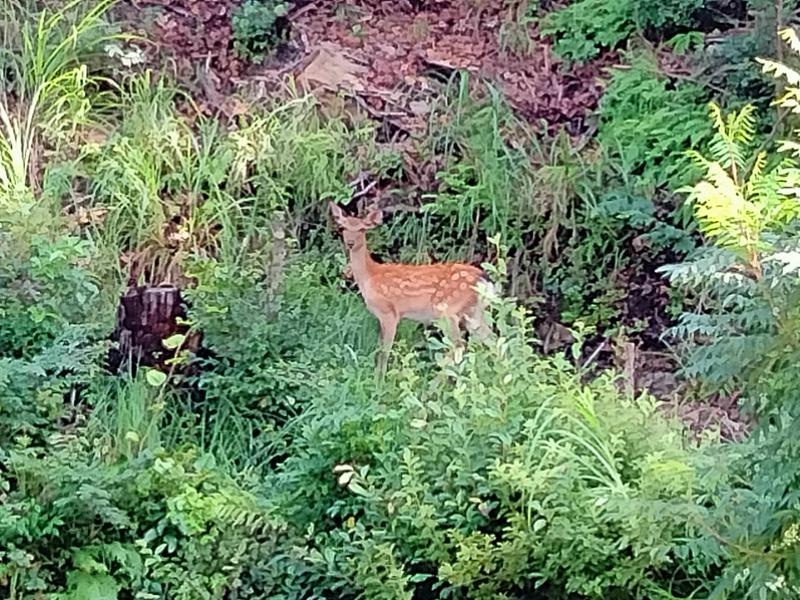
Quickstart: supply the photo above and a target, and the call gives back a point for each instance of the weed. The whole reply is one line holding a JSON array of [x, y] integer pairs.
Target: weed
[[583, 29], [257, 28], [486, 185], [647, 121], [515, 31], [45, 95]]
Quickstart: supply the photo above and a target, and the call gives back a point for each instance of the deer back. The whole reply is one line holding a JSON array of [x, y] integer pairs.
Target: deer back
[[423, 292]]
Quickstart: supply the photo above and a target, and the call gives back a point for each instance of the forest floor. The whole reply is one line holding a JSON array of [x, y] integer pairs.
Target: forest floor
[[387, 58]]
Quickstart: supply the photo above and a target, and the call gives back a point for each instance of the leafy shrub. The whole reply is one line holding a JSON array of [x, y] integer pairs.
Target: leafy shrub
[[742, 207], [763, 548], [497, 474], [647, 122], [41, 390], [730, 57], [45, 286], [745, 334], [672, 14], [583, 29], [256, 30], [265, 350], [167, 525]]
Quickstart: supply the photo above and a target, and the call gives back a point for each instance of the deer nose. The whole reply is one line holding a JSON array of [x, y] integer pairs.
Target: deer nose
[[349, 244]]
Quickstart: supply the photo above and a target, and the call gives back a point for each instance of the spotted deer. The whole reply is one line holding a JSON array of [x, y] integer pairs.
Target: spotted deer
[[446, 292]]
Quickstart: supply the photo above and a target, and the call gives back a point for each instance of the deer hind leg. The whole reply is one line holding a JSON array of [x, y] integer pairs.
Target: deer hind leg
[[451, 327], [476, 322], [388, 324]]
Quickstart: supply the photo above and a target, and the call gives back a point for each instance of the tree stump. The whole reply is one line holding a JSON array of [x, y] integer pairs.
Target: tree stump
[[145, 317]]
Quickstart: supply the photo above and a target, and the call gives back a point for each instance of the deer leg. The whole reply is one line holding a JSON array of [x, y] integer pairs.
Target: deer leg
[[477, 325], [453, 324], [388, 331], [452, 330]]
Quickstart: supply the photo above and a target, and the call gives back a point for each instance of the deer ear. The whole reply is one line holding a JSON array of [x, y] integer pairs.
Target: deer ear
[[373, 219], [336, 211]]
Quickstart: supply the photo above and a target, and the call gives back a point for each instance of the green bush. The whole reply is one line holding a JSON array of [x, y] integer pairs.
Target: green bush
[[54, 316], [495, 475], [166, 525], [742, 206], [46, 285], [647, 122], [582, 29], [671, 14], [744, 335], [255, 28]]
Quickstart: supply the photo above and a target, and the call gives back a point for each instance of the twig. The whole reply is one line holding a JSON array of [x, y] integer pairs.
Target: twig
[[364, 191], [296, 14], [594, 354]]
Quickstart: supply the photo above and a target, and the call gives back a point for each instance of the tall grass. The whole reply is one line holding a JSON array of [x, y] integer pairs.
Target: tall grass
[[45, 94], [128, 416], [175, 190], [487, 182]]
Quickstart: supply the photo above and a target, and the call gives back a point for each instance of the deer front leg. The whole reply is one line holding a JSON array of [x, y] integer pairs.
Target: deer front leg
[[388, 330], [454, 331]]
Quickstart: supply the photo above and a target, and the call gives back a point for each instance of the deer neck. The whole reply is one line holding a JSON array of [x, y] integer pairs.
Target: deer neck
[[361, 264]]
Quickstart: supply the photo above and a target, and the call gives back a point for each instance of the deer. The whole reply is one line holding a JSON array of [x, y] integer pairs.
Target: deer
[[441, 292]]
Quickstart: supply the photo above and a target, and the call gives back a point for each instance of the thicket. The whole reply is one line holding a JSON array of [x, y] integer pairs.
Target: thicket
[[273, 464]]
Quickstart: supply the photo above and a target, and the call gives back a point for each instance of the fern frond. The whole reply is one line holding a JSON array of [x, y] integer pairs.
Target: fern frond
[[727, 359], [742, 125], [699, 161], [733, 135], [727, 153], [790, 99], [757, 171], [698, 272], [715, 112], [790, 147], [779, 71], [789, 36], [721, 210]]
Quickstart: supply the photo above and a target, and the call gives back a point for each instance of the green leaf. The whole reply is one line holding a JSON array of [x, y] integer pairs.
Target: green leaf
[[84, 586], [357, 489], [174, 341], [155, 377]]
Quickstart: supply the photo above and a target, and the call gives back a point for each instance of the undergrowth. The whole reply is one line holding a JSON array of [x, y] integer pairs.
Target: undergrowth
[[269, 461]]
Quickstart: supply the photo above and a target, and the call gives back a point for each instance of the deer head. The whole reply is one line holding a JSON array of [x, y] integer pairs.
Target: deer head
[[354, 228]]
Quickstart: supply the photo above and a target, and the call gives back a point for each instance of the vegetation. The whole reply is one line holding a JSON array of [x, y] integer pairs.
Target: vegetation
[[255, 454], [256, 28]]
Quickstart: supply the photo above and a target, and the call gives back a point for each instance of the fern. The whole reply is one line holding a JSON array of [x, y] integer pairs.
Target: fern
[[745, 206], [583, 29], [647, 121], [734, 208], [734, 135]]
